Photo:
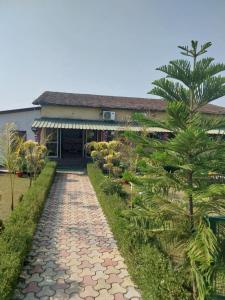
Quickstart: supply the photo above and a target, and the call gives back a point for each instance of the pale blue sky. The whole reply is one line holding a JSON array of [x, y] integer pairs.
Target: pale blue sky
[[109, 47]]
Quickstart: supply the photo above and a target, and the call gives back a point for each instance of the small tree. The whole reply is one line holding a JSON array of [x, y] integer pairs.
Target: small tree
[[34, 155], [177, 193], [10, 143]]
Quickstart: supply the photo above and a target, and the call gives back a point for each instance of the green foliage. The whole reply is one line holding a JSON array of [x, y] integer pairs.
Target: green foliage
[[10, 143], [195, 85], [111, 186], [16, 238], [17, 155], [33, 154], [156, 275], [115, 156], [177, 191], [202, 251], [107, 156], [150, 269]]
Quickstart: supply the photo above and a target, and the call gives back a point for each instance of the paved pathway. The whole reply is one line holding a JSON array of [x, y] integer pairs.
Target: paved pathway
[[74, 255]]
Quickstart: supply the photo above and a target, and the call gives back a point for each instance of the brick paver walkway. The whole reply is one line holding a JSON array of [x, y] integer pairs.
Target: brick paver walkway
[[74, 255]]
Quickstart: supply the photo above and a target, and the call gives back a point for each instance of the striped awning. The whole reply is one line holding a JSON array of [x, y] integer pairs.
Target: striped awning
[[217, 131], [90, 124]]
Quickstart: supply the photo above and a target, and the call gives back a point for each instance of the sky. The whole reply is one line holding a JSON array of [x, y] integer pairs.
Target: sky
[[107, 47]]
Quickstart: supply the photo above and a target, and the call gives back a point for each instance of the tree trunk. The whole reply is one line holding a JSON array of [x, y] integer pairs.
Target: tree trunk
[[190, 200], [12, 203], [12, 189], [191, 211], [191, 215]]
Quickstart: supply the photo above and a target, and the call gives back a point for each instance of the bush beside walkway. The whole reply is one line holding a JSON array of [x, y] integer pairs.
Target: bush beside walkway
[[16, 238], [150, 269]]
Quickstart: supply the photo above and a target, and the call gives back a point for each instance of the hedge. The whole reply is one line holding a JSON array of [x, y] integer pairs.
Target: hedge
[[15, 241], [150, 269]]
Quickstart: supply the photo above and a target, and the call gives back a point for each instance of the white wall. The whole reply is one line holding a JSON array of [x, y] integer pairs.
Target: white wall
[[22, 119]]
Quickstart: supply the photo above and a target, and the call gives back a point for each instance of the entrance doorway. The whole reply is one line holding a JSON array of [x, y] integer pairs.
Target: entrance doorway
[[71, 143]]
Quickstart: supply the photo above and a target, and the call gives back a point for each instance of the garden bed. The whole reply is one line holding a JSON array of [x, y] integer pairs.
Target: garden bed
[[15, 241], [149, 268]]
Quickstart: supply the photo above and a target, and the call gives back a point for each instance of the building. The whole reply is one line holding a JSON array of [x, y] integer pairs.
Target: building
[[68, 121], [23, 118]]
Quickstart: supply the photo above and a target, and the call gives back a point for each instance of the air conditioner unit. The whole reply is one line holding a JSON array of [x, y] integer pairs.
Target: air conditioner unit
[[109, 115]]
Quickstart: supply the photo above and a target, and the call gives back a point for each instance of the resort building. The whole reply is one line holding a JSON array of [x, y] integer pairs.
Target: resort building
[[68, 121], [23, 119]]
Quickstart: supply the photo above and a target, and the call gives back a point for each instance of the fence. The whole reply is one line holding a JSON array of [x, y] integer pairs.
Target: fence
[[217, 224]]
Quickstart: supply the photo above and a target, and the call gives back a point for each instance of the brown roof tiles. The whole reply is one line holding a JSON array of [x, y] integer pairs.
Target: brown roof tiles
[[112, 102]]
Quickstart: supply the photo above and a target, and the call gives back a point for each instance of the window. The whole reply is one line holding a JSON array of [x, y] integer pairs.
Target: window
[[51, 135]]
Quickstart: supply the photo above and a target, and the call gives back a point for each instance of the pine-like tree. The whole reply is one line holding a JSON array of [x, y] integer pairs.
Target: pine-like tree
[[178, 193]]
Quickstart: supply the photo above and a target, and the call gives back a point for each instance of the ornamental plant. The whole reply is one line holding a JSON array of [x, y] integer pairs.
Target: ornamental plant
[[34, 155], [107, 156], [10, 143], [176, 201]]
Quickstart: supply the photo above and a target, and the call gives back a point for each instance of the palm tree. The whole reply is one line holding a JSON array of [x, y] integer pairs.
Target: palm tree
[[9, 145], [178, 194]]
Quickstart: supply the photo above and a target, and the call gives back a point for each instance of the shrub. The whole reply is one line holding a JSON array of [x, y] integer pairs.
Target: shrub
[[34, 155], [15, 241], [111, 186], [117, 171], [149, 268], [1, 226], [106, 155]]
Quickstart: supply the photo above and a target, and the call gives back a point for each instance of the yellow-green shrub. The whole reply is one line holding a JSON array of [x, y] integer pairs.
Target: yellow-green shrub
[[107, 156]]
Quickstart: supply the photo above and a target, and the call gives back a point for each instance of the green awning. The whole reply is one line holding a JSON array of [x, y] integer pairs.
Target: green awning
[[90, 124]]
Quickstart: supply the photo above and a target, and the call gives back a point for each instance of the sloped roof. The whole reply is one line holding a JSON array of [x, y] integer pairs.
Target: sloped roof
[[16, 110], [112, 102]]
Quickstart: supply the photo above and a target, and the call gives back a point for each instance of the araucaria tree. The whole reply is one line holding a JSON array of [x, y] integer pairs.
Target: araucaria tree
[[178, 177]]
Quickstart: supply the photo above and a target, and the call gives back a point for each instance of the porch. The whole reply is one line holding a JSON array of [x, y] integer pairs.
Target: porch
[[70, 144], [66, 139]]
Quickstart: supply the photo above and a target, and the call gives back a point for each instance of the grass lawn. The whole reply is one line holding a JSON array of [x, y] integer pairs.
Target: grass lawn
[[21, 185]]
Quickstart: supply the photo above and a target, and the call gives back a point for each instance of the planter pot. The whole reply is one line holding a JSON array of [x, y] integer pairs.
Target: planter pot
[[19, 174], [126, 182]]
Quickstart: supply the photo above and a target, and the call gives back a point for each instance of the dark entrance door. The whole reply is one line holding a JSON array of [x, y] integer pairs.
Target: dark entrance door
[[72, 143]]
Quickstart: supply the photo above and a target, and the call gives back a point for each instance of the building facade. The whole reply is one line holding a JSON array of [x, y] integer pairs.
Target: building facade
[[66, 122], [69, 121], [22, 118]]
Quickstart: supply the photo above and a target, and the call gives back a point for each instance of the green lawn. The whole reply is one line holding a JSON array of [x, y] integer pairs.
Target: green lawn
[[21, 185]]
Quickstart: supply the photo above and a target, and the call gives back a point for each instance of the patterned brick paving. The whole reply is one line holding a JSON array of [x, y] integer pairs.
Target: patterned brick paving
[[74, 255]]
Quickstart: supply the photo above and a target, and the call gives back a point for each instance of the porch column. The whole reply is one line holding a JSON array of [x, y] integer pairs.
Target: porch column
[[84, 142], [60, 142]]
